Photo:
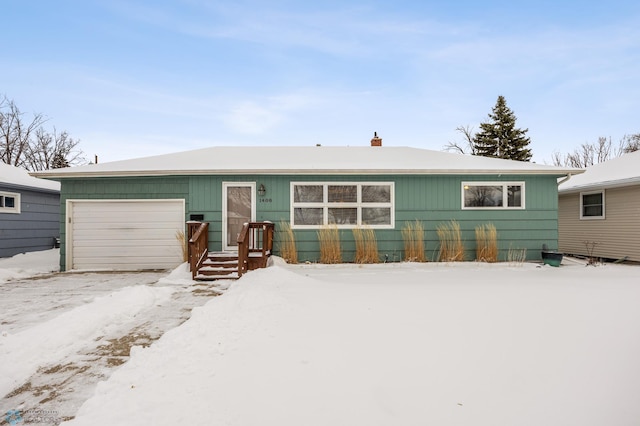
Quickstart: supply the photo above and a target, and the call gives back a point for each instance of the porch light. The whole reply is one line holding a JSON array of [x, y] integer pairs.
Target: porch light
[[262, 190]]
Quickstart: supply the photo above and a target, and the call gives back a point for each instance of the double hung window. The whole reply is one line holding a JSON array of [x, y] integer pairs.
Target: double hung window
[[592, 205], [9, 202]]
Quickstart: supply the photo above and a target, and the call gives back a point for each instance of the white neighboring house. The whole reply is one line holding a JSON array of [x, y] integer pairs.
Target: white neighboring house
[[599, 210], [29, 212]]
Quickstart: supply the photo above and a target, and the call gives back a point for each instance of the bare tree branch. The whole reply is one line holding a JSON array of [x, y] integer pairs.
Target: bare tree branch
[[28, 145], [589, 154], [467, 146], [15, 133]]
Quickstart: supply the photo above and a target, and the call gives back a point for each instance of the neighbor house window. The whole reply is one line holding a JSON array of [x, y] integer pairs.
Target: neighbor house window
[[493, 195], [592, 205], [9, 202], [346, 205]]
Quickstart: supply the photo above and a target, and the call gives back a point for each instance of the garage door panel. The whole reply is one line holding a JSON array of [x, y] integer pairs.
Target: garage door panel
[[163, 230], [126, 235], [125, 217], [125, 264], [133, 205], [128, 251], [118, 242]]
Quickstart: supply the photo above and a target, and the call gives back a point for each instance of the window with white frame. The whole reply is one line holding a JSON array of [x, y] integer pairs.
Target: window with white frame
[[493, 195], [9, 202], [344, 204], [592, 205]]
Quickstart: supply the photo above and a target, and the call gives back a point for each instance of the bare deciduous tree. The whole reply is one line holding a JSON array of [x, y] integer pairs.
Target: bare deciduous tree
[[25, 143], [16, 133], [589, 154], [467, 146], [53, 150], [630, 143]]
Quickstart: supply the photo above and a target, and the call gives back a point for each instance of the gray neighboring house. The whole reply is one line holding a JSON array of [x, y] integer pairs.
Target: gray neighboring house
[[599, 210], [29, 212]]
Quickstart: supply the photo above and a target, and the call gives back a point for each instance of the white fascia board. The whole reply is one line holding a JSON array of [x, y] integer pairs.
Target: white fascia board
[[142, 173]]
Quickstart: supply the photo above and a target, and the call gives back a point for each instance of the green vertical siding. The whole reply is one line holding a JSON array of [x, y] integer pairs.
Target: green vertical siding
[[430, 199], [437, 199]]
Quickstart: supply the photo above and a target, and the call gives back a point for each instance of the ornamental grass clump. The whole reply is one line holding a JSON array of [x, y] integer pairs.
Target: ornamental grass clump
[[451, 247], [486, 243], [183, 245], [287, 243], [516, 256], [366, 246], [413, 236], [330, 250]]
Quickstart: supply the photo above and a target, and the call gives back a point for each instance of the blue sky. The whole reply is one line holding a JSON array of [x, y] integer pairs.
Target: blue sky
[[138, 78]]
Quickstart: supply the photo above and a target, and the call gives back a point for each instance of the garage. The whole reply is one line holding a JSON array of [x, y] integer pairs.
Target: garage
[[124, 234]]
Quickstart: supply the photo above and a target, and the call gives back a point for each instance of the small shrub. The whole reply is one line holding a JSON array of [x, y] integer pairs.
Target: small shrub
[[451, 247], [413, 236], [591, 247], [288, 249], [366, 246], [330, 250], [486, 243]]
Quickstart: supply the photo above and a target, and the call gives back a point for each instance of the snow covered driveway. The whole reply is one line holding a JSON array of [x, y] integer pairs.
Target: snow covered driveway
[[32, 301], [61, 333]]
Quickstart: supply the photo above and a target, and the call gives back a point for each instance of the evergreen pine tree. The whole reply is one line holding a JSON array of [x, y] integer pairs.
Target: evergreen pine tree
[[59, 161], [500, 138]]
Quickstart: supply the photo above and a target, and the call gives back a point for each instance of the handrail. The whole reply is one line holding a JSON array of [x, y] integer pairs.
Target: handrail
[[198, 233], [255, 237]]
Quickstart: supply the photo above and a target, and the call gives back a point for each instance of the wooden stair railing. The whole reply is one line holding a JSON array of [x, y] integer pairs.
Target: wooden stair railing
[[198, 233], [255, 244]]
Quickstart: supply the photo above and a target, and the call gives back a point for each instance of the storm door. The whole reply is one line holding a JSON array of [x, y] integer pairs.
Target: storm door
[[238, 208]]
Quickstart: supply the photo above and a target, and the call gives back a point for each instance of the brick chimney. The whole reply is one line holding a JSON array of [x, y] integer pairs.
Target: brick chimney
[[376, 141]]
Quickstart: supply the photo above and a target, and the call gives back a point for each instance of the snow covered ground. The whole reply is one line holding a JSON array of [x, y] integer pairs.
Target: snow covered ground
[[405, 344], [60, 334]]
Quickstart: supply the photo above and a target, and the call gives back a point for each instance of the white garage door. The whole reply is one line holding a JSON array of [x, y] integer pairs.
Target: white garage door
[[124, 234]]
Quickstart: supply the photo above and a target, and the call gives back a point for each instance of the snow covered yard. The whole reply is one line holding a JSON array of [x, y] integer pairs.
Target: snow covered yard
[[60, 334], [401, 344]]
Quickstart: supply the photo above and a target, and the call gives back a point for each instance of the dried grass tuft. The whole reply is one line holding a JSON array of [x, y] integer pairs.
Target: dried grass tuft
[[486, 243], [516, 256], [330, 250], [451, 247], [366, 246], [287, 244], [183, 245], [413, 236]]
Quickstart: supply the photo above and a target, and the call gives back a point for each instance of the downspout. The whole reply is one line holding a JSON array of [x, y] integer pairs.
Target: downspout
[[565, 179]]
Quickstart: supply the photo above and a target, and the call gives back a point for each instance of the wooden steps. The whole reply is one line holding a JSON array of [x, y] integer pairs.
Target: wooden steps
[[255, 243], [219, 266]]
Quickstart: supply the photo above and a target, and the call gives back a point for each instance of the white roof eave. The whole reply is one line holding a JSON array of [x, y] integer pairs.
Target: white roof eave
[[142, 173], [600, 185]]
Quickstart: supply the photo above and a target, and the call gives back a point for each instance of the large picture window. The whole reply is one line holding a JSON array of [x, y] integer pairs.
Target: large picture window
[[493, 195], [346, 205], [9, 202], [592, 205]]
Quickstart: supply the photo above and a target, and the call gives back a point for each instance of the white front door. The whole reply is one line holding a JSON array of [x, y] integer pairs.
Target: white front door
[[238, 208]]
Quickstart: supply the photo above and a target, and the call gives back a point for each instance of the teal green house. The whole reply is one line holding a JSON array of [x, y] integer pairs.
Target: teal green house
[[129, 214]]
